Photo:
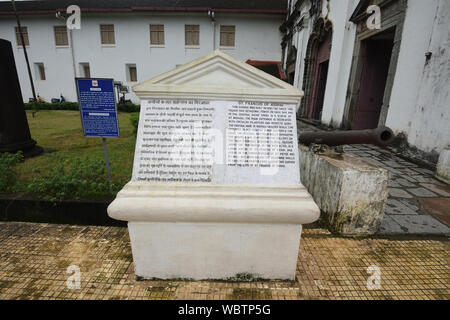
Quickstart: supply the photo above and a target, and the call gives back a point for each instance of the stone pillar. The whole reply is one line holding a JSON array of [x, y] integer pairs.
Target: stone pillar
[[14, 131]]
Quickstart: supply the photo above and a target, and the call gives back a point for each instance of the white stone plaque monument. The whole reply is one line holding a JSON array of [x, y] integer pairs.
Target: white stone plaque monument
[[216, 191]]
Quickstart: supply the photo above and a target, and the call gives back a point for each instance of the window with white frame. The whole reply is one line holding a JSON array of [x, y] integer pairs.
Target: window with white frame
[[85, 69], [227, 36], [40, 71], [25, 36], [157, 34], [192, 35], [107, 34], [61, 38], [131, 73]]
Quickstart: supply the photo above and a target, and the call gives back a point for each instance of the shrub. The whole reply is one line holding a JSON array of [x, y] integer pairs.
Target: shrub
[[7, 174], [128, 107], [36, 106], [72, 179], [134, 118]]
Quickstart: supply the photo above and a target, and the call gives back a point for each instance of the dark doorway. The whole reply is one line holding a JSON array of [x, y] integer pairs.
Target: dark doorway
[[291, 74], [376, 58], [320, 78], [290, 63], [291, 78], [319, 95]]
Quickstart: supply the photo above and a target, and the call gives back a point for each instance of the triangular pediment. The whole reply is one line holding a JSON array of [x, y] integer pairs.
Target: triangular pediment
[[360, 11], [217, 75]]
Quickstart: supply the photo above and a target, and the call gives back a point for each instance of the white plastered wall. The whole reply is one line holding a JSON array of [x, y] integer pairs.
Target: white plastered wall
[[257, 37], [420, 105]]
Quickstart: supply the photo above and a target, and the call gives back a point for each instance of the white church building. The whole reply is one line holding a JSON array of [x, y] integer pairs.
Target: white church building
[[354, 76], [134, 40], [360, 71]]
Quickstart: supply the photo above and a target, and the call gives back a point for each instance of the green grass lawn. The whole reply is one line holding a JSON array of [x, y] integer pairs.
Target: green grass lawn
[[62, 131]]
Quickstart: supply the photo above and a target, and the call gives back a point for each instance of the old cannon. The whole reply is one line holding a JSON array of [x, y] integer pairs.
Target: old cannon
[[381, 137]]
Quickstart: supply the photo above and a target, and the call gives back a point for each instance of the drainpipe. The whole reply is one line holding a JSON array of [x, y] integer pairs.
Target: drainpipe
[[73, 53], [213, 22], [61, 17]]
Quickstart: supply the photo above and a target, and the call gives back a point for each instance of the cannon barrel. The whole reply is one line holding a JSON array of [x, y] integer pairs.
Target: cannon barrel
[[380, 137]]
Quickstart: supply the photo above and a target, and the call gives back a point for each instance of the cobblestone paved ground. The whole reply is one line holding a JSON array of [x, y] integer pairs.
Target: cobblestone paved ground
[[418, 203], [34, 259], [412, 193]]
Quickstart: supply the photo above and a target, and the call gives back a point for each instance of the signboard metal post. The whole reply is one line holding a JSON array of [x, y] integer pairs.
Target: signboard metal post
[[108, 168], [98, 111]]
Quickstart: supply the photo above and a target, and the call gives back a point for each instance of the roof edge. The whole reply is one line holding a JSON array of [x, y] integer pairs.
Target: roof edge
[[148, 9]]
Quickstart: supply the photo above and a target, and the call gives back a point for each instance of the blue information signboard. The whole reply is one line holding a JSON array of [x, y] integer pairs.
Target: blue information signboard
[[98, 107]]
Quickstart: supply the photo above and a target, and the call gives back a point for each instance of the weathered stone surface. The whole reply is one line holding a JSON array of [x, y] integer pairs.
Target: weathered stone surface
[[443, 166], [422, 193], [406, 203], [390, 226], [396, 207], [393, 184], [410, 203], [351, 193], [393, 164], [443, 191], [437, 207], [404, 183], [421, 224], [399, 193]]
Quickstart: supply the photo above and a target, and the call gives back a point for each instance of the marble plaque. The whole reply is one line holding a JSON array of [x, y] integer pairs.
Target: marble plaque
[[217, 142]]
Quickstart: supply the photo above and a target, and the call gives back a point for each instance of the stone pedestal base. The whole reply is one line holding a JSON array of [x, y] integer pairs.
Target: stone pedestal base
[[29, 148], [171, 250], [351, 193], [214, 231]]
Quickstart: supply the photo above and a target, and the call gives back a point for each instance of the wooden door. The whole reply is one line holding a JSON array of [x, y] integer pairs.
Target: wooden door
[[372, 84]]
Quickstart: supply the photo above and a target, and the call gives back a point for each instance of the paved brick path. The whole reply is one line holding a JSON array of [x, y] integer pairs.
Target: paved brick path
[[34, 259], [418, 203]]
